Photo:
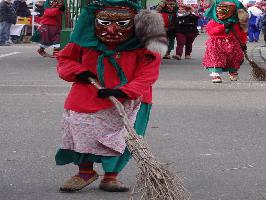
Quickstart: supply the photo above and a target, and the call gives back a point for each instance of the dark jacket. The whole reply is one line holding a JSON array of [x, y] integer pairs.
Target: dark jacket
[[187, 24], [7, 13], [21, 9], [263, 22]]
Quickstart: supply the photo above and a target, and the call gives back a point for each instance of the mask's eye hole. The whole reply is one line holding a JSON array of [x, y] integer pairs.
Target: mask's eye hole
[[123, 23], [103, 22]]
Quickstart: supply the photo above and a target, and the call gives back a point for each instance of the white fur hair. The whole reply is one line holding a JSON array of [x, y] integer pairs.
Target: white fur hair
[[157, 46], [149, 28]]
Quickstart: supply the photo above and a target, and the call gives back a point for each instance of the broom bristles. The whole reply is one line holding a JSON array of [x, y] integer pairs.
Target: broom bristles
[[164, 188], [258, 73], [154, 180]]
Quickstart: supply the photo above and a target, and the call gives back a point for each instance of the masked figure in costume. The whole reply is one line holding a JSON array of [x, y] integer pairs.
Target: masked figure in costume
[[168, 9], [224, 52], [121, 46], [48, 34]]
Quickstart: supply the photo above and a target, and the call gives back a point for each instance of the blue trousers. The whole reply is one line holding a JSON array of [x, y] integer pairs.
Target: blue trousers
[[253, 33], [4, 32]]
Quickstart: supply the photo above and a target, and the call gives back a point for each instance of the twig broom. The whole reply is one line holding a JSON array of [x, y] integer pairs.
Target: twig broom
[[154, 180], [258, 73]]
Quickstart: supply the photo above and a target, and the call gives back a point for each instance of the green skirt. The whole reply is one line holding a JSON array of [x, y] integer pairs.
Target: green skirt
[[109, 163], [219, 70]]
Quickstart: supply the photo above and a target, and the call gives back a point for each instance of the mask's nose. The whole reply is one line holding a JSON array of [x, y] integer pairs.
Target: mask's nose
[[112, 29]]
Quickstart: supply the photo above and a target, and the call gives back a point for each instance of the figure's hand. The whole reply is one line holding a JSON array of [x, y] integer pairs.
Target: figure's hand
[[228, 25], [84, 77], [244, 47], [104, 93]]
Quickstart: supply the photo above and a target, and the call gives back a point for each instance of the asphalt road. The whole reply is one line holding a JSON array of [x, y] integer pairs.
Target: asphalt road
[[213, 134]]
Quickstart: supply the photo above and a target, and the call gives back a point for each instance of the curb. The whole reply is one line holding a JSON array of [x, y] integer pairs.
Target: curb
[[254, 53], [264, 59]]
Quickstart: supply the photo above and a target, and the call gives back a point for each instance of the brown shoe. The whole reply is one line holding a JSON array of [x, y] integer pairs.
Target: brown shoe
[[113, 186], [167, 56], [42, 52], [216, 79], [177, 57], [187, 57], [76, 183], [233, 77]]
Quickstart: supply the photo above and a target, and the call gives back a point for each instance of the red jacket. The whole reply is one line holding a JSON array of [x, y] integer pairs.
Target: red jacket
[[167, 22], [217, 30], [52, 16], [140, 66]]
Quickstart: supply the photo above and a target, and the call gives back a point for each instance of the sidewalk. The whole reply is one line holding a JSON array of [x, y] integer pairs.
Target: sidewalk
[[257, 51], [263, 53]]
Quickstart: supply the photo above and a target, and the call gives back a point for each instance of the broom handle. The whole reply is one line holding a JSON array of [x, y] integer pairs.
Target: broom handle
[[120, 108], [241, 45]]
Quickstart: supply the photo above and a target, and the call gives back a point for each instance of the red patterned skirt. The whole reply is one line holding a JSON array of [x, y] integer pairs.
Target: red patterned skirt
[[223, 53]]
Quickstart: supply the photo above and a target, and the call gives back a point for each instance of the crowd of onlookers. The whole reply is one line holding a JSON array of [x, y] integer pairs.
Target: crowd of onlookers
[[10, 11]]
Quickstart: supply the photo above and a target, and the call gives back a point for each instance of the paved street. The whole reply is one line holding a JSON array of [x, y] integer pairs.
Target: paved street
[[213, 134]]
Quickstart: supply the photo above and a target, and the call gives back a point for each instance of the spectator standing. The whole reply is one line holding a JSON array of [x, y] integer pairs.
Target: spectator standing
[[200, 13], [186, 31], [21, 8], [7, 17], [253, 24], [263, 21], [203, 20], [263, 28]]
